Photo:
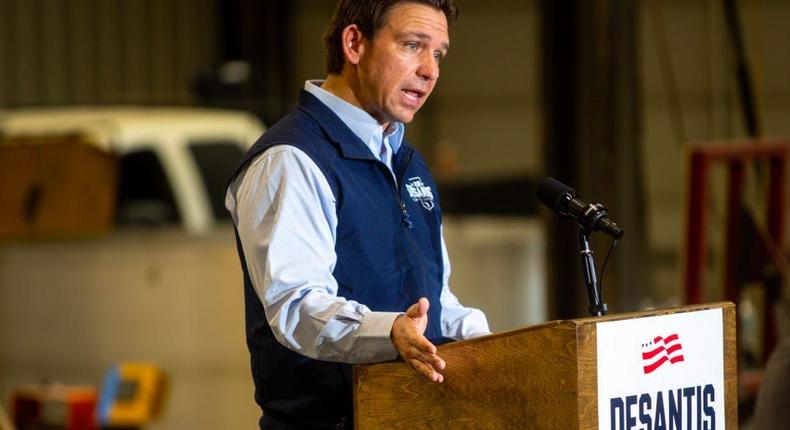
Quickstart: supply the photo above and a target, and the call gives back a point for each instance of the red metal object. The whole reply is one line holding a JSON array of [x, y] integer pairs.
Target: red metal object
[[54, 407], [736, 155]]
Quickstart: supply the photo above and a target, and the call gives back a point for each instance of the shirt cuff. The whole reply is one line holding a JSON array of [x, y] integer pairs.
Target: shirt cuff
[[374, 330]]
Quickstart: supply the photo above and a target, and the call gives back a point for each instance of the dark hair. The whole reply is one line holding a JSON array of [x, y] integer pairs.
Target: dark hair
[[369, 15]]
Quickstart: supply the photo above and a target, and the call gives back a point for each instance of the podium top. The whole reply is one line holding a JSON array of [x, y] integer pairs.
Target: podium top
[[585, 321]]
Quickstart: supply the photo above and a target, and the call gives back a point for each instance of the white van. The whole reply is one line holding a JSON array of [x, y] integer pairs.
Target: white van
[[173, 163]]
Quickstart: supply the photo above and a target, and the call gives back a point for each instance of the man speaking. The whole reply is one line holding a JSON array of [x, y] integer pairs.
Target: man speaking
[[339, 225]]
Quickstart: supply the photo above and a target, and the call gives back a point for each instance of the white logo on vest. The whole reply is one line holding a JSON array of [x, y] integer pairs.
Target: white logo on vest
[[419, 192]]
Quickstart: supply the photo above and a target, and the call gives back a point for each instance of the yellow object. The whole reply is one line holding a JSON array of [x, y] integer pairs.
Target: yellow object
[[132, 394]]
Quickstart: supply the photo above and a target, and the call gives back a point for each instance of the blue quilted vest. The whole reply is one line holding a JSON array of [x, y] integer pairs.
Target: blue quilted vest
[[388, 256]]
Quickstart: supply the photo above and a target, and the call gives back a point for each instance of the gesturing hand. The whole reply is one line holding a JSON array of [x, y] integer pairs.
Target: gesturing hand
[[416, 349]]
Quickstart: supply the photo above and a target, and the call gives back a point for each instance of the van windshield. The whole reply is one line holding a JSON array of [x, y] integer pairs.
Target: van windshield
[[216, 161], [145, 196]]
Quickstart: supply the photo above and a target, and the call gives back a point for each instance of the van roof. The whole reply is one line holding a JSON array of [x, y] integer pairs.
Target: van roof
[[120, 128]]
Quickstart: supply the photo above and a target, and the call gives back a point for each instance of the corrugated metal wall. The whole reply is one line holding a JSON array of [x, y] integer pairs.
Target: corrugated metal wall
[[103, 51]]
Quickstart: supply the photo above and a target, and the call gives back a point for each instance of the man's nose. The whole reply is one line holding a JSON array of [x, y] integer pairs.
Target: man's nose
[[429, 67]]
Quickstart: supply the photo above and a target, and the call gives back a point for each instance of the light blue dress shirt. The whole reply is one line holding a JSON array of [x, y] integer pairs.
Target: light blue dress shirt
[[284, 211]]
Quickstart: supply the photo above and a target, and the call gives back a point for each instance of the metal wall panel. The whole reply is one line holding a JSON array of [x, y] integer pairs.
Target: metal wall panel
[[55, 52], [82, 53], [23, 42], [51, 27]]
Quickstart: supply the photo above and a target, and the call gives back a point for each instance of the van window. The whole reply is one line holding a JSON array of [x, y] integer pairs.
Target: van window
[[144, 193], [216, 161]]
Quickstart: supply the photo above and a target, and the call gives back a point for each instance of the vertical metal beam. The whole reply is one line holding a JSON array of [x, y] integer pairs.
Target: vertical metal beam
[[776, 197], [559, 36], [696, 239], [733, 264]]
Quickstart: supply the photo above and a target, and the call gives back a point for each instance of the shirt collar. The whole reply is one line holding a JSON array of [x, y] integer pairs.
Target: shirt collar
[[360, 122]]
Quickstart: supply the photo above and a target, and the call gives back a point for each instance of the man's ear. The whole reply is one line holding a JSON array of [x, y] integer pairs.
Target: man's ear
[[353, 48]]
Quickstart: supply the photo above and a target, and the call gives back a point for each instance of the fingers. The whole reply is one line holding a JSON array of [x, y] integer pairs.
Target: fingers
[[427, 371], [426, 363], [421, 355], [425, 352], [432, 360]]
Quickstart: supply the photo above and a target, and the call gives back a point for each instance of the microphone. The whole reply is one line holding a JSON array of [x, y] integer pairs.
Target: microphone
[[562, 199]]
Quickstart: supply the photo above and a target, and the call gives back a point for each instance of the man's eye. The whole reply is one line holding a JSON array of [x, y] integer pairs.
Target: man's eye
[[438, 56], [411, 45]]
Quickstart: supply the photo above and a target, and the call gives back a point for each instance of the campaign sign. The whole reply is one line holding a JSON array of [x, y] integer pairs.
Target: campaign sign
[[662, 373]]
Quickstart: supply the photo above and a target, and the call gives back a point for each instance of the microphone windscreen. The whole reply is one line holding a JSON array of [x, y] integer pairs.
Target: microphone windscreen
[[551, 193]]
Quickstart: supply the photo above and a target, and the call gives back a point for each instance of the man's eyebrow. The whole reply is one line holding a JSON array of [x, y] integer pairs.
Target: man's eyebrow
[[423, 36]]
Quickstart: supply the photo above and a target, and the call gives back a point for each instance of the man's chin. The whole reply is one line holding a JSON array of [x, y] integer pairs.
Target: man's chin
[[406, 117]]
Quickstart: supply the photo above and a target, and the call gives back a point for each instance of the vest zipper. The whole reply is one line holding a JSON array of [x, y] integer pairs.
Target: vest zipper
[[405, 215]]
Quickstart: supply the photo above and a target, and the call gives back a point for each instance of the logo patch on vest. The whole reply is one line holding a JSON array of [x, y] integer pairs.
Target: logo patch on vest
[[419, 192]]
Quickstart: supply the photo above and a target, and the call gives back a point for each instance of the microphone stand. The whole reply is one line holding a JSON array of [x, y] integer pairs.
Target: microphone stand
[[597, 306]]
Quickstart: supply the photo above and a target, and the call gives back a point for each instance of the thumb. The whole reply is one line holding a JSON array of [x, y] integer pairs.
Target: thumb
[[419, 309]]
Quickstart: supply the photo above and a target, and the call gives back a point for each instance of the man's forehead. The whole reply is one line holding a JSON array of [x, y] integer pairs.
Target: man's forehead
[[419, 21], [416, 15]]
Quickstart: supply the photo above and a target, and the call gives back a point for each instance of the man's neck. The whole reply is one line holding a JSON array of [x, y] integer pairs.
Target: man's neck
[[341, 87]]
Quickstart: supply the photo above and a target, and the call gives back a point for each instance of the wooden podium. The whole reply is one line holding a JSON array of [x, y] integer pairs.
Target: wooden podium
[[538, 377]]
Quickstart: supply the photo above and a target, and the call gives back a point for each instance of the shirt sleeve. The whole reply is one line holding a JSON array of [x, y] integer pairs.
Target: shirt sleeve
[[284, 211], [458, 322]]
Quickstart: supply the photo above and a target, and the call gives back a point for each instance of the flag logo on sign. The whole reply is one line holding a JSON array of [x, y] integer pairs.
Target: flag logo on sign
[[661, 350]]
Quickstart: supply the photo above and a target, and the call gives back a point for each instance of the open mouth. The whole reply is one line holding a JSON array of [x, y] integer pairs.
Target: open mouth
[[414, 95]]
